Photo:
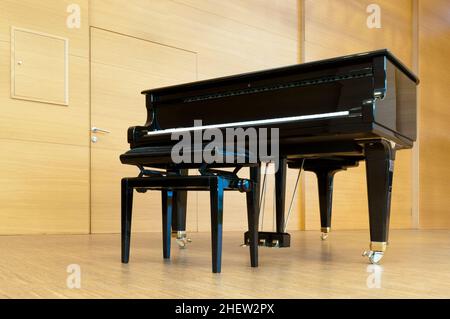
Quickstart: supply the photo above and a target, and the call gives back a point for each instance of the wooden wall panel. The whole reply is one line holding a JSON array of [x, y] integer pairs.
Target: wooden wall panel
[[434, 71], [224, 45], [341, 25], [42, 122], [50, 123], [276, 16], [338, 27], [44, 188], [45, 147], [228, 37]]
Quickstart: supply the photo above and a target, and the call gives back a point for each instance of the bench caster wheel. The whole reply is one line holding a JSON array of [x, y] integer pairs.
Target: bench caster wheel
[[324, 236], [374, 256]]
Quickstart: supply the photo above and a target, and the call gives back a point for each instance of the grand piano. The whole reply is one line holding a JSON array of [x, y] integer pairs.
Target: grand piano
[[330, 115]]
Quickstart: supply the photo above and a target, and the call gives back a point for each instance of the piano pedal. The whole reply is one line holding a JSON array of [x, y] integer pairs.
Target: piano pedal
[[270, 239], [275, 243], [181, 238], [263, 243]]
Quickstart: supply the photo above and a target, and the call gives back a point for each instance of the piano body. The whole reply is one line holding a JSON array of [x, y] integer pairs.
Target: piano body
[[331, 114]]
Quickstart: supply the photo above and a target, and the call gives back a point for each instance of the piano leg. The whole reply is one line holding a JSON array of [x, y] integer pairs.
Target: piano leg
[[126, 207], [179, 220], [253, 214], [167, 208], [179, 206], [280, 194], [325, 184], [379, 172], [216, 201]]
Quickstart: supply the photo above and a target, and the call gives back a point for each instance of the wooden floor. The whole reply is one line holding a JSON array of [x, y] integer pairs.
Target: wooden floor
[[417, 265]]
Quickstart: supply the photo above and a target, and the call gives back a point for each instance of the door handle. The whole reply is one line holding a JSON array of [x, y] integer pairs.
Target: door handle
[[99, 130]]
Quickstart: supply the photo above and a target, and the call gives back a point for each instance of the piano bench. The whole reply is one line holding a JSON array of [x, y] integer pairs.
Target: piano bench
[[161, 157], [216, 184]]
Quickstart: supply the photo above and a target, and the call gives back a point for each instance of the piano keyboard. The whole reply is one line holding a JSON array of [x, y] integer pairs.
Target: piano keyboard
[[253, 123]]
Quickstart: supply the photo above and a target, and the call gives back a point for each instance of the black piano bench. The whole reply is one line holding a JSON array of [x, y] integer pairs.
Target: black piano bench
[[216, 183]]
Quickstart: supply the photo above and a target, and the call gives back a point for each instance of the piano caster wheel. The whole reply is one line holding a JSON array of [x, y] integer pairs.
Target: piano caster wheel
[[374, 256], [324, 236], [182, 239], [325, 232], [376, 252]]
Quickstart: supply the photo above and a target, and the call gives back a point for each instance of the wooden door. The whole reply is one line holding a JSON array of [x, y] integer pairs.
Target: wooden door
[[121, 67]]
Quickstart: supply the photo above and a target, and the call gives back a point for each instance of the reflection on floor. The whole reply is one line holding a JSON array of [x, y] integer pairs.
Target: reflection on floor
[[416, 265]]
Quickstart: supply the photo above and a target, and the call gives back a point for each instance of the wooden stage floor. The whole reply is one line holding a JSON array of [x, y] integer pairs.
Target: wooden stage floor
[[416, 265]]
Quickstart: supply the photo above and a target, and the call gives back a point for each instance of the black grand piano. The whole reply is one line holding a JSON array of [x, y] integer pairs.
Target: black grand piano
[[330, 115]]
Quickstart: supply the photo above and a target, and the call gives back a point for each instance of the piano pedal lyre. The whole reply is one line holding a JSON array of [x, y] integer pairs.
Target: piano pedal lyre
[[181, 238]]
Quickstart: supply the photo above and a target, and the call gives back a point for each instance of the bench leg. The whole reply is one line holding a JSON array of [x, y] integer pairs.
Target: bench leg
[[216, 201], [253, 215], [167, 208], [126, 207]]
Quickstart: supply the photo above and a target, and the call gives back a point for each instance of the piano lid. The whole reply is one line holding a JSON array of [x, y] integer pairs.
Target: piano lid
[[296, 68]]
